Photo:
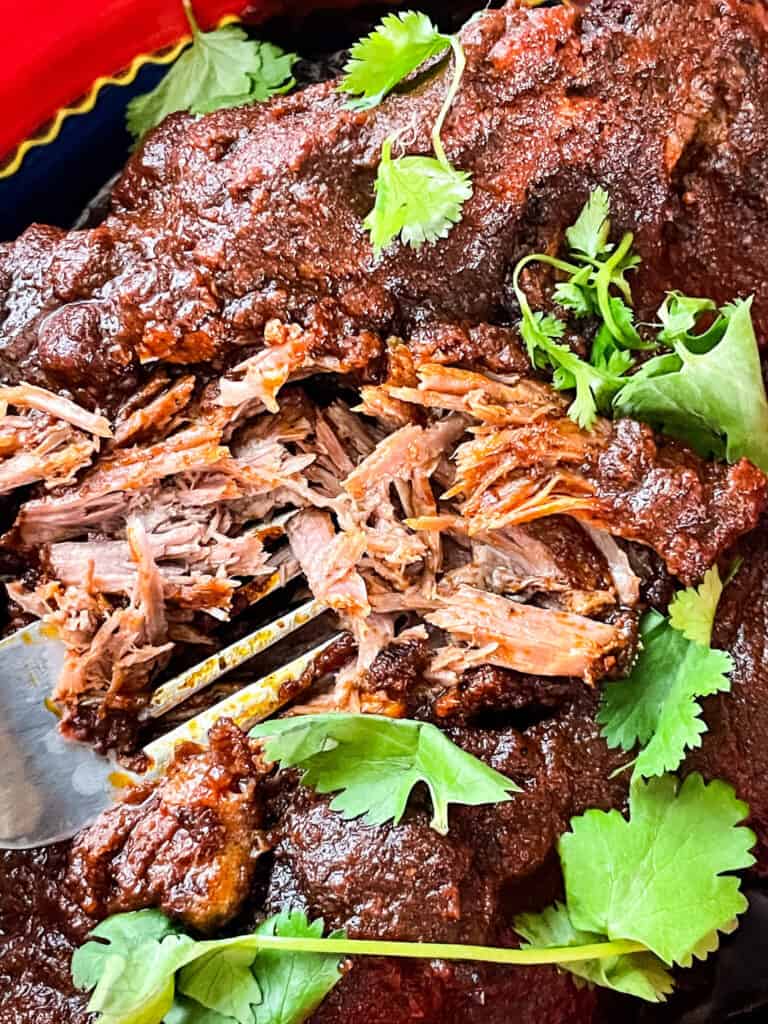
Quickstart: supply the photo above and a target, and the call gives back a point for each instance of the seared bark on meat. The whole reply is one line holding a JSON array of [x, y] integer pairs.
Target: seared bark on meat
[[223, 223], [404, 882], [189, 847], [664, 496]]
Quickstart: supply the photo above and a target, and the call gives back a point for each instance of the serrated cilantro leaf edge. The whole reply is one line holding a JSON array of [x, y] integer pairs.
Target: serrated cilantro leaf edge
[[373, 763]]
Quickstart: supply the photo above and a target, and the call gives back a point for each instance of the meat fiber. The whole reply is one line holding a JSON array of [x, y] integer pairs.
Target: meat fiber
[[526, 638]]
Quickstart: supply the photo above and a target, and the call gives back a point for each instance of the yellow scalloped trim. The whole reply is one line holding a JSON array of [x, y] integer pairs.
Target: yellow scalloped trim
[[88, 102]]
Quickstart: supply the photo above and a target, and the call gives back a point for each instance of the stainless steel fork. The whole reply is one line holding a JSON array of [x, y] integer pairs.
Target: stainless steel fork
[[51, 787]]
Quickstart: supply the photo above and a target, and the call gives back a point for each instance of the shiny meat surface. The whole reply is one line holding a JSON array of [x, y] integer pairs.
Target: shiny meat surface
[[691, 509], [399, 992], [220, 224], [189, 847]]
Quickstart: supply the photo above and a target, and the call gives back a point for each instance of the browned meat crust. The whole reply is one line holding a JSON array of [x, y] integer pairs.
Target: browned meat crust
[[222, 223], [663, 495], [189, 847]]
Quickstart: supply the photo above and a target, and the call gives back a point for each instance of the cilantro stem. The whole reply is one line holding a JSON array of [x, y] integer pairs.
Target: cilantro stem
[[190, 13], [603, 281], [443, 950], [540, 257], [460, 64]]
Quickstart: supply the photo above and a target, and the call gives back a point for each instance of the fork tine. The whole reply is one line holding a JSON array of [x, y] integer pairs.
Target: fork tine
[[246, 707], [196, 678]]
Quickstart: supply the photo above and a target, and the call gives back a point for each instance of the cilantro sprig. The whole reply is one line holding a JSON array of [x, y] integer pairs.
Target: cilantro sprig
[[143, 970], [680, 391], [222, 68], [417, 198], [709, 392], [373, 763], [623, 880], [657, 705], [397, 47], [596, 285]]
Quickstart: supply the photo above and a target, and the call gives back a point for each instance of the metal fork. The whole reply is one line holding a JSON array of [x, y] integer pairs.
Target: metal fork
[[51, 787]]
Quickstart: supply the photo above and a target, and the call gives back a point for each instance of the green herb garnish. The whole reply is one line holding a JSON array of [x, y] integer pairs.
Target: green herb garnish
[[636, 974], [418, 198], [682, 391], [398, 46], [131, 967], [692, 611], [373, 763], [596, 285], [144, 970], [292, 968], [223, 68], [658, 878], [657, 705], [595, 386], [713, 398]]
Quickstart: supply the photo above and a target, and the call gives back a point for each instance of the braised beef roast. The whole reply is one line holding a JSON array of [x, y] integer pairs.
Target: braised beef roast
[[235, 242]]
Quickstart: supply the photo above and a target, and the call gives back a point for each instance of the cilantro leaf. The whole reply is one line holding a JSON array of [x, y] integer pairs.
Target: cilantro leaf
[[656, 705], [121, 933], [678, 315], [573, 296], [687, 396], [623, 878], [222, 981], [608, 357], [380, 61], [589, 233], [692, 611], [223, 68], [293, 984], [374, 762], [594, 387], [636, 974], [139, 988], [187, 1011], [131, 971], [418, 198]]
